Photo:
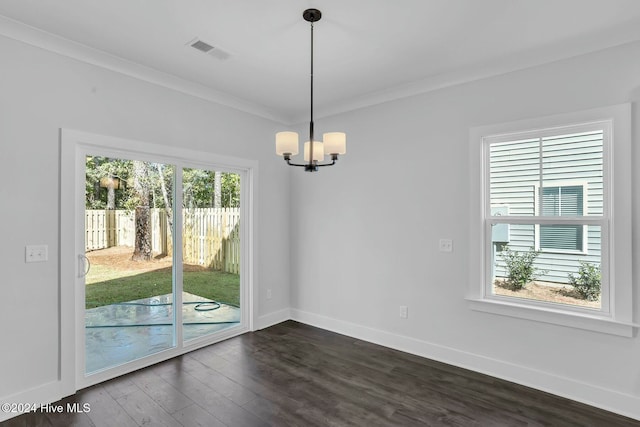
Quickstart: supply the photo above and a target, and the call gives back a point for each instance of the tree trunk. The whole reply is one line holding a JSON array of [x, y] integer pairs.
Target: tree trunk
[[111, 195], [167, 206], [142, 249]]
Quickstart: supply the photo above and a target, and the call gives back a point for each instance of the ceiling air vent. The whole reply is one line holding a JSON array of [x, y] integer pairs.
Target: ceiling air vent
[[202, 46], [208, 49]]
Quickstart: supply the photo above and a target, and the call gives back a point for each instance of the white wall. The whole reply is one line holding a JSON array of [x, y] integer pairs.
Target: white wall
[[365, 234], [41, 92]]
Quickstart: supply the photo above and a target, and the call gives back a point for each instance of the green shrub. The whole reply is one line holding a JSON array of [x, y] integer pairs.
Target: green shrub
[[587, 282], [520, 268]]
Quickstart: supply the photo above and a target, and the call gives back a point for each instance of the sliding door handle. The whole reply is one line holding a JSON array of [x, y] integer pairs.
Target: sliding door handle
[[84, 265]]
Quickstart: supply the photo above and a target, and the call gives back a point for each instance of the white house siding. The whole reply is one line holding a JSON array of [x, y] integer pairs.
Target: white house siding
[[516, 174]]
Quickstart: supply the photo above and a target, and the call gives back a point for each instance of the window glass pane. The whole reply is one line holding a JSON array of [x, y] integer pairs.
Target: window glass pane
[[518, 271], [517, 168], [571, 200], [574, 157], [514, 169], [562, 201], [550, 201], [563, 237], [211, 251], [129, 287]]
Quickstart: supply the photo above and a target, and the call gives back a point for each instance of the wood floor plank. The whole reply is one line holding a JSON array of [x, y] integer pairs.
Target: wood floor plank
[[213, 402], [28, 420], [194, 415], [163, 393], [145, 411], [277, 415], [212, 378], [105, 411], [293, 374], [120, 386], [69, 417]]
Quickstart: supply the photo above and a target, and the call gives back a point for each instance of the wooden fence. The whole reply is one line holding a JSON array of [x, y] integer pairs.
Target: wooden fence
[[108, 228], [210, 238]]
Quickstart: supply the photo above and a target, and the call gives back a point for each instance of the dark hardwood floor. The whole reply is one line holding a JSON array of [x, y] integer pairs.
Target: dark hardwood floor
[[293, 374]]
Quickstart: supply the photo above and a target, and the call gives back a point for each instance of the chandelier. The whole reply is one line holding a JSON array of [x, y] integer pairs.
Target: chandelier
[[333, 143]]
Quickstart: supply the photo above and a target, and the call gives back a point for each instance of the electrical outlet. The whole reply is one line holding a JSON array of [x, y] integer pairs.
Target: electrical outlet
[[36, 253], [404, 312], [269, 295], [445, 245]]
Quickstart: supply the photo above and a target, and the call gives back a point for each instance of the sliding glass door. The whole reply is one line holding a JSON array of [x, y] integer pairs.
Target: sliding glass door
[[211, 251], [129, 284], [160, 254]]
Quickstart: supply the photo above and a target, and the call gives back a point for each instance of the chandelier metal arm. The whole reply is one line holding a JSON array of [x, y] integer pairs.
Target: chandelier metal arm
[[333, 162], [311, 166]]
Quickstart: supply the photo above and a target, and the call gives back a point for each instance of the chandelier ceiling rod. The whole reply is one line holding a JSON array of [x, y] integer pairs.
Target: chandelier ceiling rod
[[334, 143], [310, 16]]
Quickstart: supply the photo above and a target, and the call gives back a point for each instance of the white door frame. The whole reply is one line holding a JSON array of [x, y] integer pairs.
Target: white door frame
[[75, 145]]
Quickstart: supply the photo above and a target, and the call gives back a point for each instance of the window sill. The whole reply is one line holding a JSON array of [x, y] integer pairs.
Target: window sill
[[557, 317], [560, 251]]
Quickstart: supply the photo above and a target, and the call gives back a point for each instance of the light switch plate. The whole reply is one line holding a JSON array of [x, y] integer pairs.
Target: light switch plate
[[404, 312], [36, 253], [445, 245]]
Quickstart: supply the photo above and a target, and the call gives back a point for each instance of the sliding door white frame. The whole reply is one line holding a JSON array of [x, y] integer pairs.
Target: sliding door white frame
[[75, 145]]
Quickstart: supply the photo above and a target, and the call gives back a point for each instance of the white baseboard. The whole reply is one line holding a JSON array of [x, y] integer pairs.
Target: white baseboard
[[274, 318], [609, 400], [41, 395]]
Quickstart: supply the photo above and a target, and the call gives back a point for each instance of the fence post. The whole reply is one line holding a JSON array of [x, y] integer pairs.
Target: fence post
[[112, 240], [162, 221]]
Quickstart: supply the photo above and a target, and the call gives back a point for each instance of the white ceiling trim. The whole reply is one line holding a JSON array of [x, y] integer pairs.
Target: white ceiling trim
[[520, 61], [35, 37]]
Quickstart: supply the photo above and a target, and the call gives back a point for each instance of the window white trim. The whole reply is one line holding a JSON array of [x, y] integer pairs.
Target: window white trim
[[537, 136], [616, 315]]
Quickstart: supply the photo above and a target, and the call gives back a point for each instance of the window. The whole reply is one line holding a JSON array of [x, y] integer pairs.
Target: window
[[568, 201], [545, 218]]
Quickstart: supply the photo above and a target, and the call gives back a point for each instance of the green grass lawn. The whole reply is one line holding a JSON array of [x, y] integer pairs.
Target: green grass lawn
[[106, 286]]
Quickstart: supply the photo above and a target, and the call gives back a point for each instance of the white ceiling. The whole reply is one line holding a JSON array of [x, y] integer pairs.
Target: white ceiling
[[367, 51]]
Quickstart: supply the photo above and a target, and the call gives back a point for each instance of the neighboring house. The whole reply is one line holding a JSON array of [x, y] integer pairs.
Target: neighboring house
[[555, 175]]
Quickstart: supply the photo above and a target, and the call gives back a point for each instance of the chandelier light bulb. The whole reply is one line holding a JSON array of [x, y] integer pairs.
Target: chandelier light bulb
[[318, 151], [287, 143], [335, 142]]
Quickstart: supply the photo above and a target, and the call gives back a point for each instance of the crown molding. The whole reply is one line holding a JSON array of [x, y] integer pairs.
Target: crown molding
[[21, 32], [625, 34], [41, 39]]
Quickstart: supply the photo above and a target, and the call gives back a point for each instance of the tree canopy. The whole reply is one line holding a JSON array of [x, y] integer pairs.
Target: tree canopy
[[199, 186]]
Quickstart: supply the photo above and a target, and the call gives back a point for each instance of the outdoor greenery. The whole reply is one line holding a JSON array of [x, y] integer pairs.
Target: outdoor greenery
[[520, 268], [202, 188], [587, 282], [110, 287], [139, 186]]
